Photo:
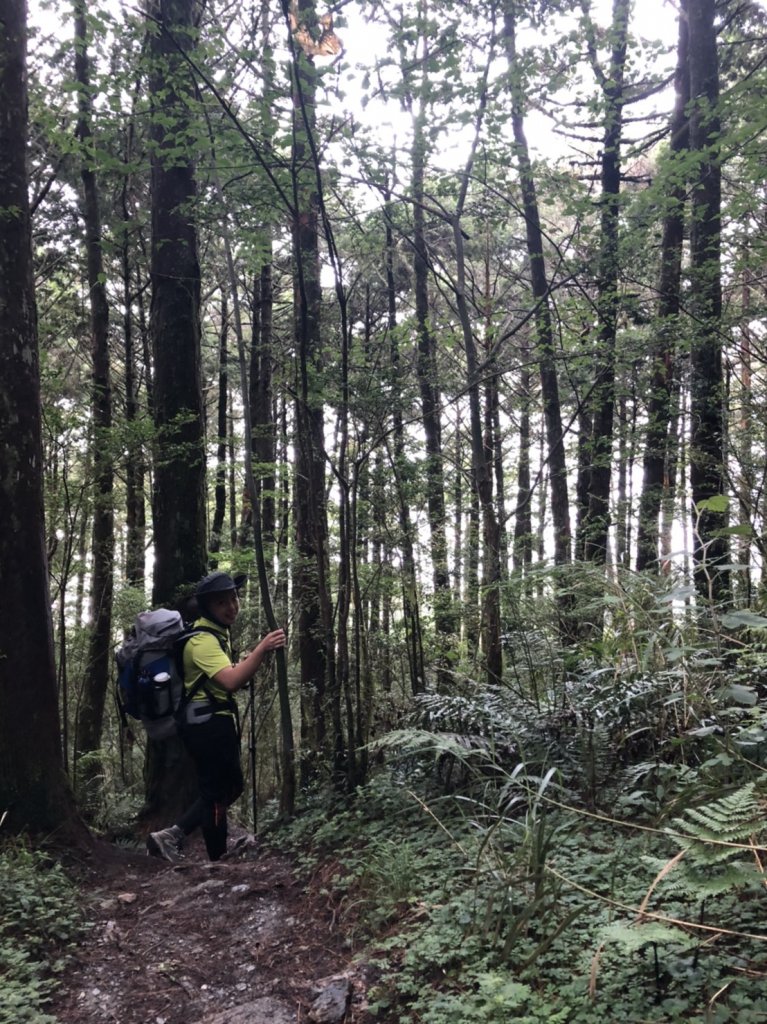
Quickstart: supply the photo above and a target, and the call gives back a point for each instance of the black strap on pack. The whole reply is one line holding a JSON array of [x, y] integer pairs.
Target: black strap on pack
[[201, 683]]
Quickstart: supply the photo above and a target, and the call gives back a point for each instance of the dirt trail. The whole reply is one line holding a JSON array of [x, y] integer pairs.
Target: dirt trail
[[237, 942]]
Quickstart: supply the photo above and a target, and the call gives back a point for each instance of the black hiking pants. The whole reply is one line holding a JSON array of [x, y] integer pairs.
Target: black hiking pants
[[215, 749]]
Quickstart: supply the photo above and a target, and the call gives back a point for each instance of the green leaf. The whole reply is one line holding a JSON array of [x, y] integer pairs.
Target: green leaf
[[742, 694], [742, 530], [674, 654], [733, 620], [677, 594], [717, 503]]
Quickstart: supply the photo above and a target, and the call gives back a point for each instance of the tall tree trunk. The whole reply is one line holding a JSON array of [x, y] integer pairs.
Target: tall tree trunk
[[544, 341], [320, 695], [91, 718], [347, 537], [523, 519], [401, 474], [707, 427], [261, 398], [361, 676], [179, 472], [673, 469], [747, 485], [490, 617], [482, 452], [82, 550], [234, 539], [497, 439], [540, 539], [626, 458], [428, 380], [379, 647], [179, 498], [146, 339], [135, 461], [657, 451], [458, 512], [33, 787], [602, 401], [222, 432], [287, 774], [264, 439], [583, 479], [283, 506], [135, 466], [471, 587]]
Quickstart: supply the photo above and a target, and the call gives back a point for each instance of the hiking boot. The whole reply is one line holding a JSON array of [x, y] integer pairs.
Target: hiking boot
[[167, 843]]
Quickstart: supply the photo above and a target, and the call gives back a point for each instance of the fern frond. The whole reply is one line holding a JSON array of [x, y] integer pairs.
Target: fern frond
[[710, 867], [633, 937], [422, 741], [733, 818], [701, 881]]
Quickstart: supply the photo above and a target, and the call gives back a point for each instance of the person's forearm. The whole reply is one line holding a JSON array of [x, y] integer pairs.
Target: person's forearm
[[237, 676]]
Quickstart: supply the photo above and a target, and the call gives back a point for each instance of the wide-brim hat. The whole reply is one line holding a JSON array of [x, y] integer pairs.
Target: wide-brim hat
[[219, 582]]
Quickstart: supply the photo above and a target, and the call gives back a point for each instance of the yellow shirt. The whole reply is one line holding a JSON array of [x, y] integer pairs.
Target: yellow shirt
[[205, 656]]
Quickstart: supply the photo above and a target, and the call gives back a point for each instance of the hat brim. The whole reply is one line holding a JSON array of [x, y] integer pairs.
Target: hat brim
[[240, 580]]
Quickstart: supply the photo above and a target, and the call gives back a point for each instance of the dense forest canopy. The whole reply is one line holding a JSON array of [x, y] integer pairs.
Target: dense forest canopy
[[443, 321], [480, 292]]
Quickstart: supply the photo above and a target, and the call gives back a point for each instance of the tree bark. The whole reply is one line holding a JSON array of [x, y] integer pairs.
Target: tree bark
[[222, 432], [428, 381], [458, 514], [544, 340], [179, 498], [179, 473], [263, 441], [602, 401], [482, 450], [659, 411], [320, 695], [707, 425], [287, 774], [495, 437], [261, 399], [401, 475], [91, 717], [33, 787], [523, 519], [471, 585], [135, 465]]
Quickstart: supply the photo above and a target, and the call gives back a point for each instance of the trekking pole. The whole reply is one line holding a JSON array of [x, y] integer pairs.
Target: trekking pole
[[252, 752]]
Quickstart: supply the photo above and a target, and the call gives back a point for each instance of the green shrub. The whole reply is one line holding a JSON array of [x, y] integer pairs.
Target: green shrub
[[39, 920]]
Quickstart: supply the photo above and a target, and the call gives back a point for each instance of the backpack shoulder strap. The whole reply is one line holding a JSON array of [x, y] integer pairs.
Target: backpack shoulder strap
[[181, 643], [203, 680], [206, 629]]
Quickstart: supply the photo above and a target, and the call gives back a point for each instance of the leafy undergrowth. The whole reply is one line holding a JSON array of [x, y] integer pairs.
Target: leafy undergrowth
[[467, 912], [40, 920], [501, 903]]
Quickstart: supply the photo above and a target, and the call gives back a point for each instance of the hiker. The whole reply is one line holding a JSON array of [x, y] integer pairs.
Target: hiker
[[209, 725]]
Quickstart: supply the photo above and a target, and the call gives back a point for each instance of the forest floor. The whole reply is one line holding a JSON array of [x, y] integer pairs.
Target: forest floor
[[242, 941]]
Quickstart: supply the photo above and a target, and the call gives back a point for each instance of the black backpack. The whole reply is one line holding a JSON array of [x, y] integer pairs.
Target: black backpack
[[150, 671]]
